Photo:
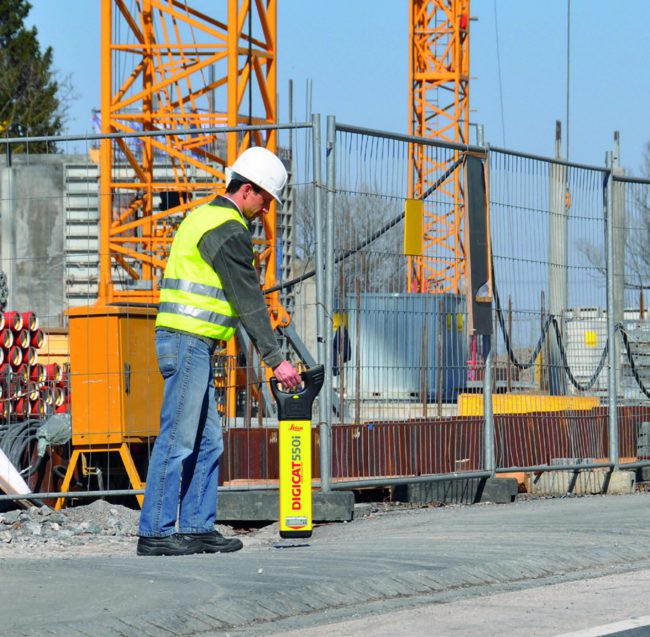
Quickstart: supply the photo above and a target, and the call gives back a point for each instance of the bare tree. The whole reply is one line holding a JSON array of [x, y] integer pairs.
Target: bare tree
[[637, 237]]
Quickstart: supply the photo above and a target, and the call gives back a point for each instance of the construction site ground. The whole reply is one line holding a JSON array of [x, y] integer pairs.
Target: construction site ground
[[538, 566]]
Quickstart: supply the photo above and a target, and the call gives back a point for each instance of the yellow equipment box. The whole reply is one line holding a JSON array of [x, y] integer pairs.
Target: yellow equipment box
[[115, 386]]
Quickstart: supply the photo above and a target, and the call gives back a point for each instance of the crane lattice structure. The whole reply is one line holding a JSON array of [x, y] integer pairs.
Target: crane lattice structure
[[166, 66], [439, 99]]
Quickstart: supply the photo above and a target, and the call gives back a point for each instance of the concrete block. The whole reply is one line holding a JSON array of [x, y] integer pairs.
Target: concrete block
[[582, 482], [362, 510], [263, 506], [336, 506], [621, 482], [459, 491], [445, 491], [498, 490]]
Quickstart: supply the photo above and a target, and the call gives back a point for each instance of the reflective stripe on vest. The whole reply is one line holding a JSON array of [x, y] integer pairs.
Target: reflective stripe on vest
[[191, 295], [202, 315], [195, 288]]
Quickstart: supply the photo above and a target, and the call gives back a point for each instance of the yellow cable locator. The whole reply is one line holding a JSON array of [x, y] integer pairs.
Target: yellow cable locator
[[294, 442]]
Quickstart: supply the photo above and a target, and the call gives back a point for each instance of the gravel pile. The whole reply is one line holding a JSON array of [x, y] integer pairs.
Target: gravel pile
[[99, 528], [42, 530]]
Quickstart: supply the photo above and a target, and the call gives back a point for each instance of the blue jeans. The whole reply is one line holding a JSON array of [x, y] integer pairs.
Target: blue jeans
[[181, 491]]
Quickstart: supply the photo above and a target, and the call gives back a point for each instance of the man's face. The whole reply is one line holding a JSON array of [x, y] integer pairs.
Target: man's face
[[255, 202]]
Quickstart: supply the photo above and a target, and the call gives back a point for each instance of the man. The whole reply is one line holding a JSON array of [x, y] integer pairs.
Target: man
[[210, 284]]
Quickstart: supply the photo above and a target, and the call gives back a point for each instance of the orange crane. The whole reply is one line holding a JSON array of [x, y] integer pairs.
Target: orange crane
[[439, 102], [171, 81], [180, 69]]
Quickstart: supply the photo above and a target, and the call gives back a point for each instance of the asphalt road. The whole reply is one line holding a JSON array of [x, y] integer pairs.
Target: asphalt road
[[615, 604], [457, 563]]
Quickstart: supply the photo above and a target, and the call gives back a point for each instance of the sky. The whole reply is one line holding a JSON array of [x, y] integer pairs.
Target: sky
[[353, 54]]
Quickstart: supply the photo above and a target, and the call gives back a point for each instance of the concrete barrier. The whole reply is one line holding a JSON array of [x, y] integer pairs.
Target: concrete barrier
[[580, 482]]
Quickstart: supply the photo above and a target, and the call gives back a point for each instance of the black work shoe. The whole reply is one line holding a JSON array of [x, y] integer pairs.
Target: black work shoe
[[214, 542], [176, 544]]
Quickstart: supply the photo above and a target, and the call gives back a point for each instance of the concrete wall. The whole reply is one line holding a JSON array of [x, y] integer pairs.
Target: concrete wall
[[304, 315], [32, 233]]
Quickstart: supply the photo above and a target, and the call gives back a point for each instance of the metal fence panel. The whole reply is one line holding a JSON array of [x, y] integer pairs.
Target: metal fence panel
[[632, 279], [399, 358], [548, 246]]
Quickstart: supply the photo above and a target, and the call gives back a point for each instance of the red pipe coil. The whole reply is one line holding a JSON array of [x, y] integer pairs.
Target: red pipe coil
[[21, 406], [8, 380], [53, 371], [30, 321], [22, 373], [38, 373], [15, 357], [37, 408], [30, 355], [59, 396], [6, 338], [14, 321], [22, 339], [37, 339]]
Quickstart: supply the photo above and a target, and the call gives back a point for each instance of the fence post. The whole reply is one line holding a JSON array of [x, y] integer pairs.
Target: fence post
[[489, 441], [318, 232], [326, 300], [618, 249], [558, 276], [612, 389], [325, 399]]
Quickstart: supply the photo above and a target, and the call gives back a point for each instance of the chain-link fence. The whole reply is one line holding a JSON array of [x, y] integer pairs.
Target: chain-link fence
[[413, 390], [562, 251]]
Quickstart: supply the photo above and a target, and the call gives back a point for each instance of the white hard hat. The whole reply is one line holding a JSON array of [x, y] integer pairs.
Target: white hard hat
[[261, 167]]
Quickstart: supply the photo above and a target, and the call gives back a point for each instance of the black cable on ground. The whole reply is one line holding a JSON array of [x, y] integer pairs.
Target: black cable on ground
[[17, 439]]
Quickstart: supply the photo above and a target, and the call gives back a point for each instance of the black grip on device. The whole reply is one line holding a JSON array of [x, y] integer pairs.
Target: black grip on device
[[296, 405]]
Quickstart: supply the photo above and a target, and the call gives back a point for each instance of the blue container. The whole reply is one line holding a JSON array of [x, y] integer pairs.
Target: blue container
[[405, 344]]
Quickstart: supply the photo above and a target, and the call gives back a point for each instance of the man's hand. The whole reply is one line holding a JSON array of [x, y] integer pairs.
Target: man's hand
[[286, 375]]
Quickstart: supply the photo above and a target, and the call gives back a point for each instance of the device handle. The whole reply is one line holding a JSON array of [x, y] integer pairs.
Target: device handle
[[296, 404]]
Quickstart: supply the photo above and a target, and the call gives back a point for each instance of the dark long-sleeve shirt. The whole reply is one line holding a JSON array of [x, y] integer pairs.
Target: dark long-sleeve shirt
[[229, 250]]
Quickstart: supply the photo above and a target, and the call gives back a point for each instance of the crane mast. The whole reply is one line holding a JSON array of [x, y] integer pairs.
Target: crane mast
[[439, 103], [167, 66]]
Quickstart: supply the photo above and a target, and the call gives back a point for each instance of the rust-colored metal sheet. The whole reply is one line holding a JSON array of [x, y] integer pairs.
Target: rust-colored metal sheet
[[441, 445]]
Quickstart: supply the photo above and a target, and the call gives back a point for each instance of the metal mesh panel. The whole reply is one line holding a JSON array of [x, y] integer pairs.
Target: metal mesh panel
[[50, 257], [548, 245], [633, 341], [399, 358], [407, 377]]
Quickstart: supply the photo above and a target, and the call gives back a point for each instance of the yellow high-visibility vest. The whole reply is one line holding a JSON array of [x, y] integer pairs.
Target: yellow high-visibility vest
[[191, 295]]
